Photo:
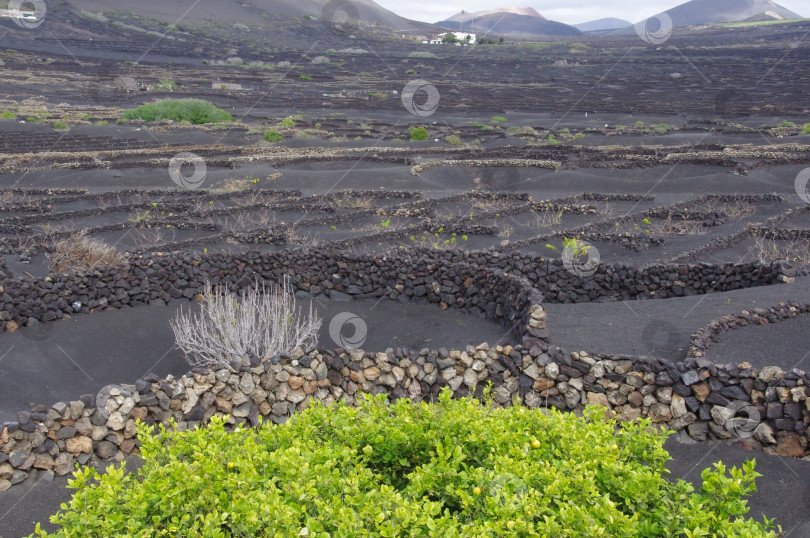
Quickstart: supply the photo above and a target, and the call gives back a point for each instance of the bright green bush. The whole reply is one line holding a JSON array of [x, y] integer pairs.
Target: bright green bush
[[191, 110], [287, 122], [456, 468], [418, 133], [60, 125], [271, 135], [8, 115], [453, 140], [806, 128]]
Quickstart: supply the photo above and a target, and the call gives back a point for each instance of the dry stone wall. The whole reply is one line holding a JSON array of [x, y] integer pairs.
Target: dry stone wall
[[767, 409], [422, 275]]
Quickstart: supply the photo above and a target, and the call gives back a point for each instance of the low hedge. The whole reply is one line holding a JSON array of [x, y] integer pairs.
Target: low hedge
[[194, 111], [450, 469]]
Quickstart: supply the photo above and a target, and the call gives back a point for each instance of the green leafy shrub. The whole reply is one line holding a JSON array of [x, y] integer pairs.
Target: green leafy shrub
[[271, 135], [498, 119], [418, 133], [453, 140], [166, 85], [287, 122], [806, 128], [60, 125], [455, 468], [8, 115], [194, 111]]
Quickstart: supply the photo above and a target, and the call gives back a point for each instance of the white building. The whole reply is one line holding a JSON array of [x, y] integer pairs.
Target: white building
[[462, 37]]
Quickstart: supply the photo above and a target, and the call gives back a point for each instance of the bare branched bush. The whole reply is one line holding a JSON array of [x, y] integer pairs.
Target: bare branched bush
[[672, 226], [125, 83], [734, 210], [261, 323], [363, 201], [546, 219], [771, 250], [149, 237], [79, 252], [297, 236]]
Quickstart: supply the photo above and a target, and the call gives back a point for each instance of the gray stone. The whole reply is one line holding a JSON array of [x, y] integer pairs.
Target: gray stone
[[17, 458], [690, 377], [66, 432]]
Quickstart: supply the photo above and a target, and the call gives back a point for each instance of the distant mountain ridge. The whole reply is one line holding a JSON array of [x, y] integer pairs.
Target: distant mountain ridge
[[700, 12], [602, 25], [520, 22]]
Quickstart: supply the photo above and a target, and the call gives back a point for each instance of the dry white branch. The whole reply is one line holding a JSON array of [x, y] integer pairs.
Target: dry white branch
[[262, 323]]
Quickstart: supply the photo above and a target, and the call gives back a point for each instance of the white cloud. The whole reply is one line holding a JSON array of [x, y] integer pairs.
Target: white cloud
[[570, 11]]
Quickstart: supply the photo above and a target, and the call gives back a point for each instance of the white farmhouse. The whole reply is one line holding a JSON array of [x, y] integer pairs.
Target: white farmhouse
[[462, 37]]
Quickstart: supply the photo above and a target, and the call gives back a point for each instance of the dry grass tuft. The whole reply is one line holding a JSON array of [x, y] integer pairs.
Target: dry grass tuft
[[79, 252]]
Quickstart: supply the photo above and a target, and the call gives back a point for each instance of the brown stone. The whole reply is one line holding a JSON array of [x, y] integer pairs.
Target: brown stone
[[371, 373], [635, 398], [79, 444], [43, 461], [11, 326], [597, 398], [139, 413], [310, 387], [296, 382], [659, 413], [789, 444], [543, 383], [127, 445], [223, 405], [701, 391]]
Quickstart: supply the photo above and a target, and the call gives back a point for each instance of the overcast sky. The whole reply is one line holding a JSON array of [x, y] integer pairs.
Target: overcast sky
[[568, 11]]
